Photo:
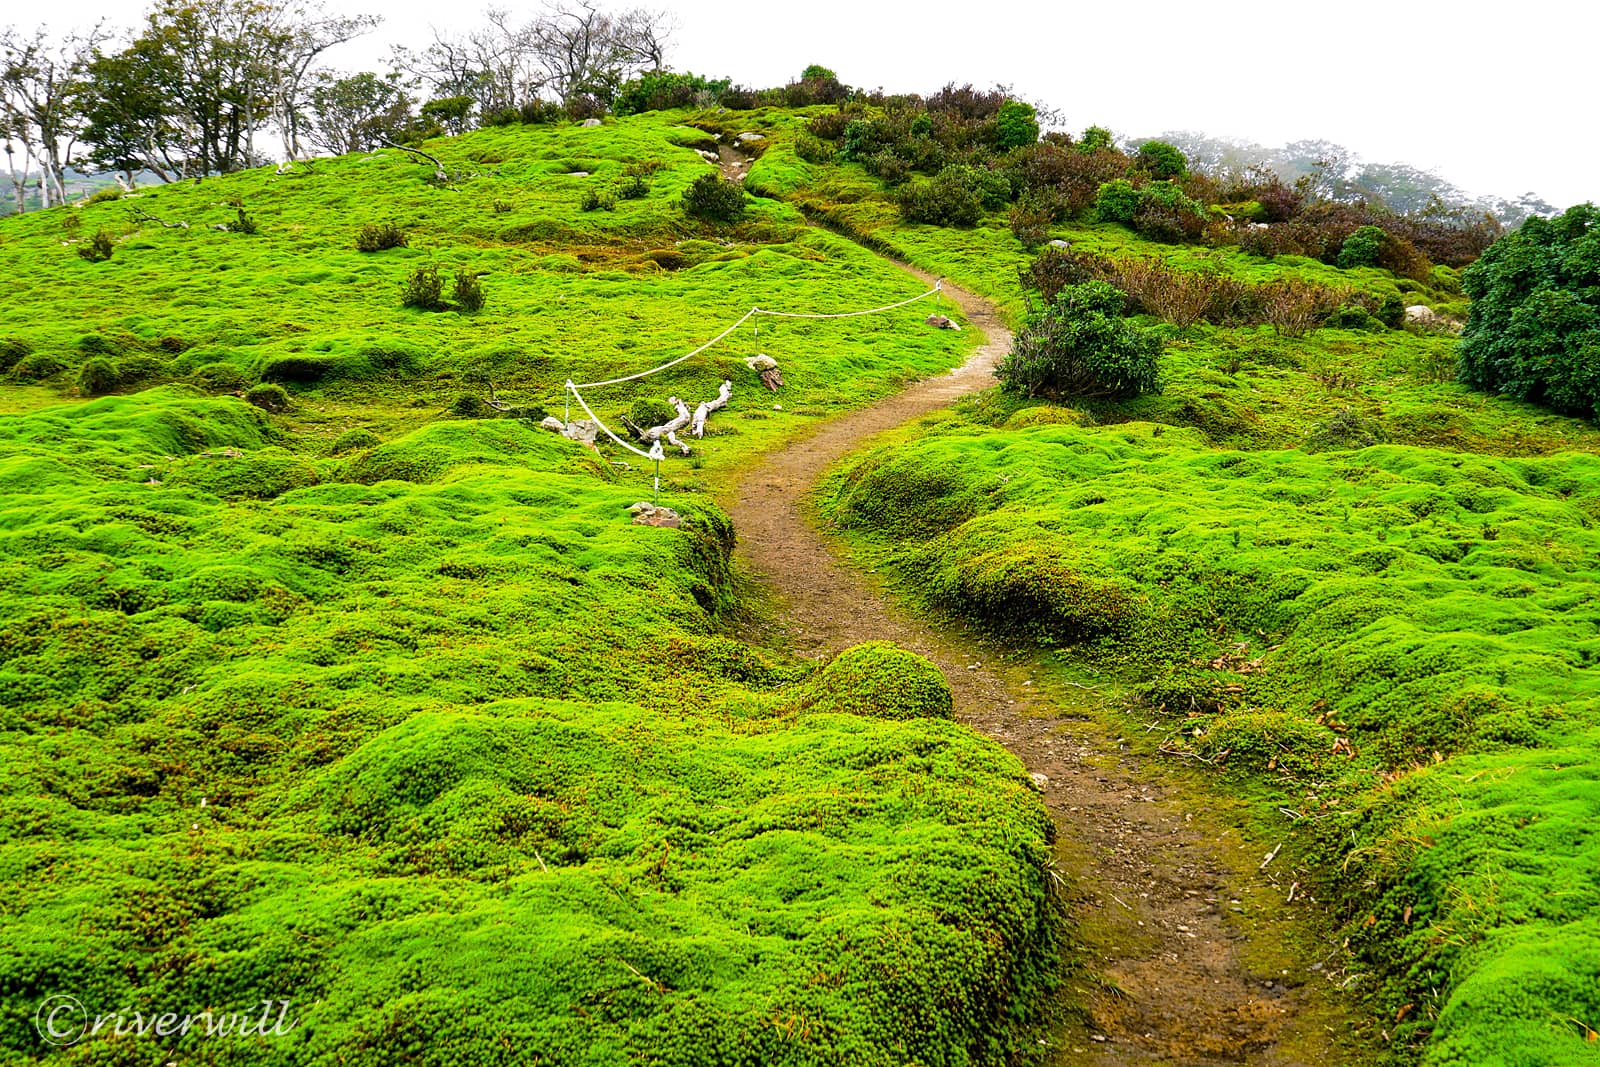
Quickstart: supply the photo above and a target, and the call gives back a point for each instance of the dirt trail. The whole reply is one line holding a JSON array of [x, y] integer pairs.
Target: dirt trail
[[1183, 962]]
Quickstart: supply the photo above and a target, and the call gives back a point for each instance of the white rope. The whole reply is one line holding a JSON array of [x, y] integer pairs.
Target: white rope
[[848, 314], [655, 453], [673, 363], [937, 288]]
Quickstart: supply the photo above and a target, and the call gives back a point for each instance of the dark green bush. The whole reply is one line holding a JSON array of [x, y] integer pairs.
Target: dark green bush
[[1361, 248], [1533, 331], [957, 196], [633, 188], [813, 149], [268, 397], [468, 291], [424, 289], [1080, 346], [243, 223], [1117, 201], [100, 246], [1162, 161], [1166, 214], [1016, 124], [598, 198], [97, 377], [377, 236], [1030, 221], [1094, 139], [104, 195], [709, 197]]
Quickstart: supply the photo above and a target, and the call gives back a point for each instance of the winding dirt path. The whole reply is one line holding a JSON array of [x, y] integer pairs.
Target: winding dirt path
[[1183, 937]]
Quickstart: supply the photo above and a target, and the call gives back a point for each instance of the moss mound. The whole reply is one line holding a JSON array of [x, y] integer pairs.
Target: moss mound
[[881, 680]]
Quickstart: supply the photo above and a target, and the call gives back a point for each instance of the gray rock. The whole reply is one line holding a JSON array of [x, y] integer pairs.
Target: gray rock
[[1039, 780], [587, 123], [941, 322], [577, 174], [761, 362], [750, 137], [583, 431], [550, 422], [1059, 243], [709, 157], [654, 515], [1422, 315]]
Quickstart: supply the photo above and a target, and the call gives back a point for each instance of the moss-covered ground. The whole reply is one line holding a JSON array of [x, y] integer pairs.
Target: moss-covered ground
[[393, 715], [1347, 587]]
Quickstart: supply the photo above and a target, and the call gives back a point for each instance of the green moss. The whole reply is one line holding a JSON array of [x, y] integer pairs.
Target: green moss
[[880, 680]]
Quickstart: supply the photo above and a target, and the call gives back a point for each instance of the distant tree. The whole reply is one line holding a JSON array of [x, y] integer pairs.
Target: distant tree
[[1533, 331], [1095, 138], [128, 122], [1162, 160], [357, 113], [39, 81], [815, 72]]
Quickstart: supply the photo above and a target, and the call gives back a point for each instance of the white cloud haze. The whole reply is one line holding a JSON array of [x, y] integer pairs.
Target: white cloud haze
[[1491, 97]]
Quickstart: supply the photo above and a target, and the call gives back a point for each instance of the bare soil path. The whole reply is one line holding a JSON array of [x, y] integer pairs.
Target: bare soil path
[[1187, 956]]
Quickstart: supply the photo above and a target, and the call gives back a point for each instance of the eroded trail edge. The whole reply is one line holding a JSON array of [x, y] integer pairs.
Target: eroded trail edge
[[1183, 939]]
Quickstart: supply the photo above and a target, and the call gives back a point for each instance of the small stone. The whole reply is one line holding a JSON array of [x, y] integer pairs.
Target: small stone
[[590, 123], [658, 517], [777, 407], [749, 137], [641, 506], [1039, 780], [577, 174], [941, 322], [1059, 243], [550, 422], [760, 362]]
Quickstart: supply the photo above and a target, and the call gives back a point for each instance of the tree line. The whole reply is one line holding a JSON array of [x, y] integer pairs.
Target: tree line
[[213, 86]]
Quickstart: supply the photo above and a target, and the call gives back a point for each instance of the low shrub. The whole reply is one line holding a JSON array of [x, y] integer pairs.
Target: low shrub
[[1016, 124], [1080, 346], [269, 397], [1165, 213], [472, 406], [243, 223], [1361, 248], [710, 197], [1117, 201], [1030, 221], [104, 195], [423, 289], [467, 293], [957, 196], [598, 198], [100, 247], [36, 367], [12, 351], [377, 236]]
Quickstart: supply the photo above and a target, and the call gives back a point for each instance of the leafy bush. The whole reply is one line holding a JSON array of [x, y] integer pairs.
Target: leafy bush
[[472, 406], [1030, 220], [881, 680], [1117, 201], [1165, 213], [468, 291], [1080, 346], [1162, 161], [1095, 139], [1361, 248], [710, 197], [813, 149], [1055, 269], [957, 196], [815, 72], [243, 223], [100, 246], [424, 289], [658, 90], [1533, 331], [269, 397], [97, 377], [633, 188], [375, 237], [1016, 124]]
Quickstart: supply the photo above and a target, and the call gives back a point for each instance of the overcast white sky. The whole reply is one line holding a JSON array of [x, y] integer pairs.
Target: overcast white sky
[[1496, 98]]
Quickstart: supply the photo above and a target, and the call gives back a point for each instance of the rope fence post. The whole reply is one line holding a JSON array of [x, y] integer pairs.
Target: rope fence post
[[657, 454]]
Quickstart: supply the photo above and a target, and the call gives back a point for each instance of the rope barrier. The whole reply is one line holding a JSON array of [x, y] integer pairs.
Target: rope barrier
[[937, 289]]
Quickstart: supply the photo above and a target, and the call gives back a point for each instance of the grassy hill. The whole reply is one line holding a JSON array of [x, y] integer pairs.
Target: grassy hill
[[390, 712]]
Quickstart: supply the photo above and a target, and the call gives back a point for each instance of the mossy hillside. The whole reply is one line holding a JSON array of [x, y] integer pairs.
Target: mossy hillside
[[442, 749], [571, 293], [1415, 645]]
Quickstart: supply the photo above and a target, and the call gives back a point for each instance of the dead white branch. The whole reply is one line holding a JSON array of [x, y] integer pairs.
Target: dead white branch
[[698, 426]]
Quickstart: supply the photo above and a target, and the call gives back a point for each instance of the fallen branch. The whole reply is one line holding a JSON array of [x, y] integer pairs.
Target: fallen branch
[[671, 426], [141, 215], [439, 173], [698, 427]]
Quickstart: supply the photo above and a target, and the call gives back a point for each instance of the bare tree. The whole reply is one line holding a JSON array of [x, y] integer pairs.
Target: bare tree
[[307, 33], [38, 82]]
